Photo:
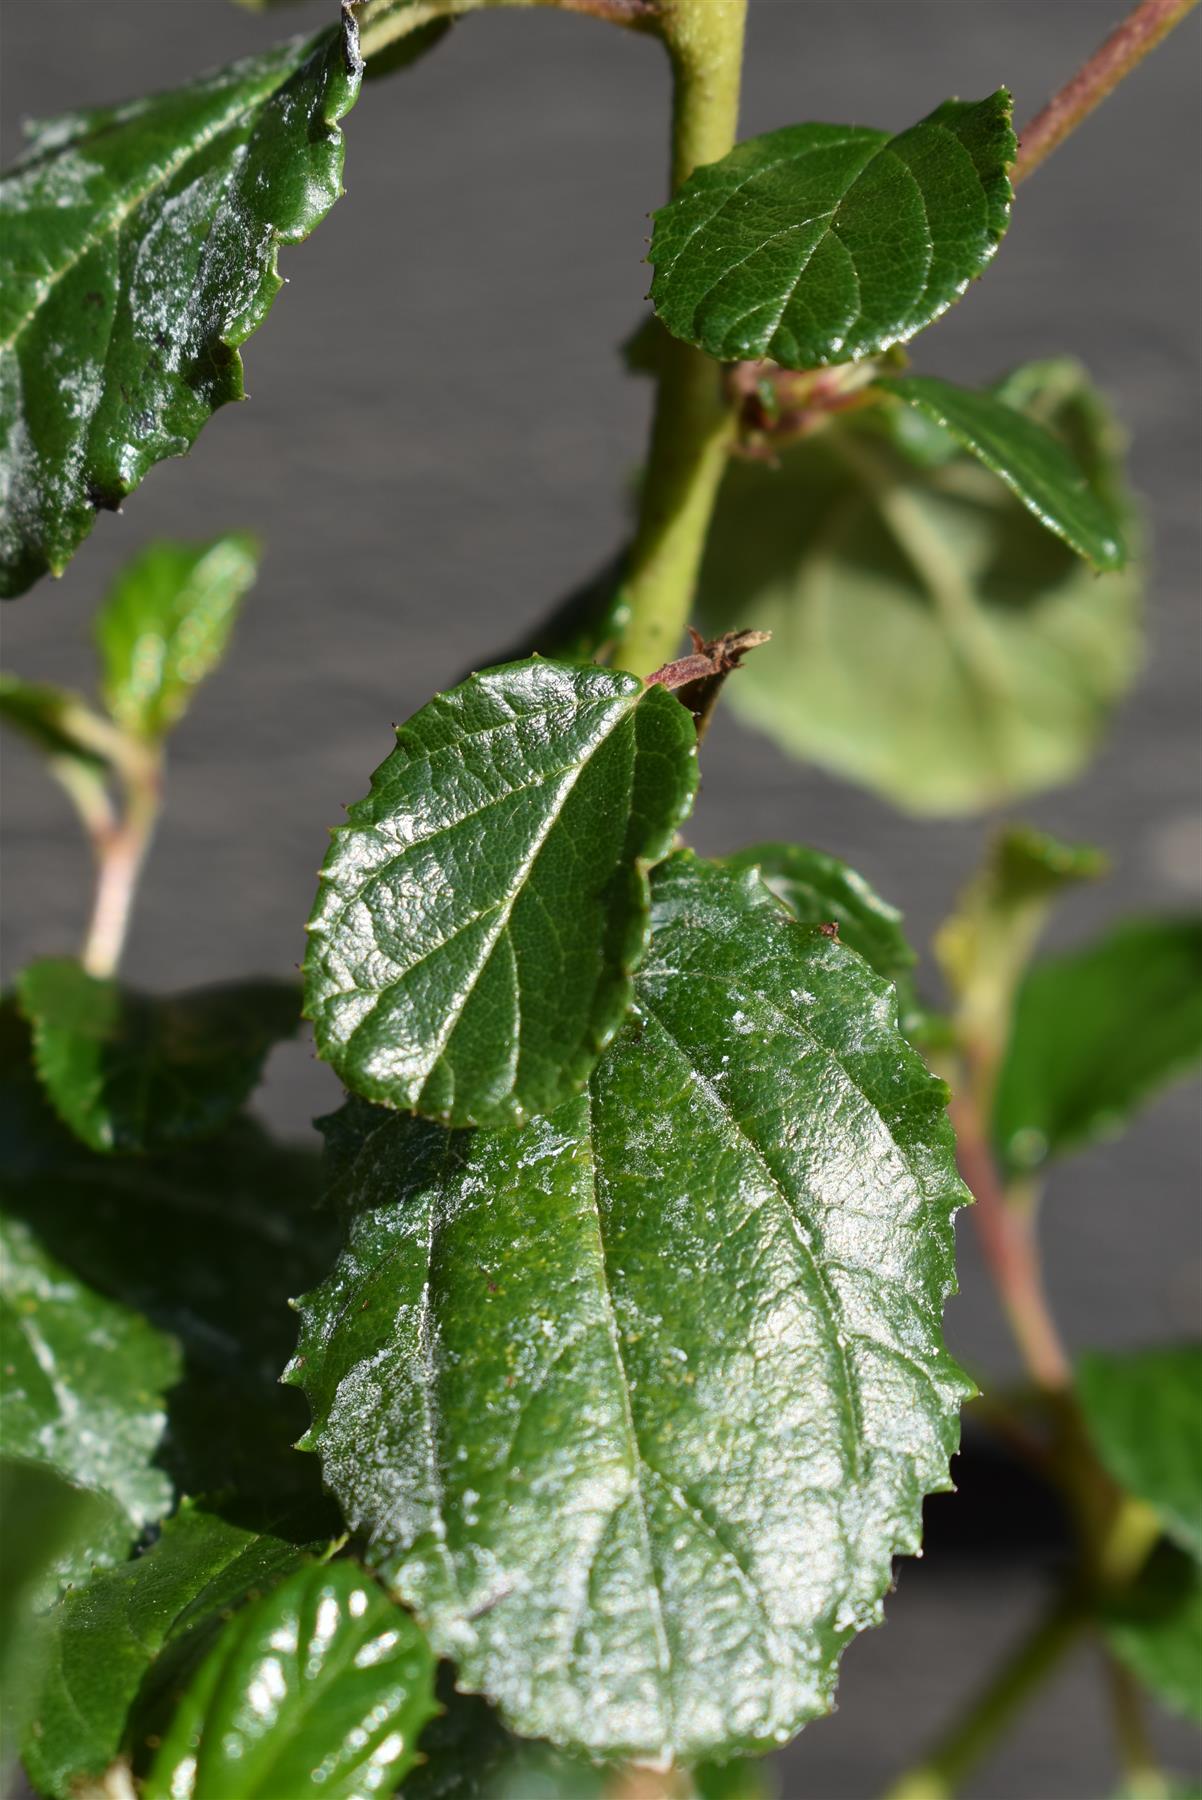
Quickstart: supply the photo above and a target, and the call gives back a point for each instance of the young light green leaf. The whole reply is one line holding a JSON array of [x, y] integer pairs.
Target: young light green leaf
[[930, 639], [132, 1072], [165, 624], [321, 1687], [820, 890], [1035, 466], [825, 243], [116, 1647], [1144, 1413], [85, 1379], [481, 912], [1096, 1033], [655, 1385], [139, 247], [1155, 1630]]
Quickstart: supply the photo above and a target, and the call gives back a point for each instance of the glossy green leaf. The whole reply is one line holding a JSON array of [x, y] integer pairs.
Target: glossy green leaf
[[321, 1687], [654, 1386], [1034, 465], [1144, 1413], [138, 249], [165, 624], [825, 243], [117, 1649], [1155, 1629], [197, 1249], [84, 1379], [1096, 1033], [131, 1072], [930, 639], [820, 890], [480, 914]]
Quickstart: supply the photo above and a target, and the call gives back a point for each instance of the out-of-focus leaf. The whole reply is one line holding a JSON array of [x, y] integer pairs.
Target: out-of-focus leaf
[[165, 624], [822, 244], [1155, 1629], [133, 1072], [58, 722], [1143, 1409], [1096, 1033], [930, 639]]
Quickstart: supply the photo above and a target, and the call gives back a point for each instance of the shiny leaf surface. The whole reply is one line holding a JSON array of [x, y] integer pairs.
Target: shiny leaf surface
[[1096, 1033], [480, 913], [655, 1385], [930, 639], [825, 243], [820, 890], [1155, 1629], [115, 1649], [1034, 465], [165, 624], [1144, 1413], [133, 1072], [137, 252], [321, 1687]]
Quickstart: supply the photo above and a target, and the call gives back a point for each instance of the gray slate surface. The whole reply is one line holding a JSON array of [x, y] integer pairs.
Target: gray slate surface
[[439, 445]]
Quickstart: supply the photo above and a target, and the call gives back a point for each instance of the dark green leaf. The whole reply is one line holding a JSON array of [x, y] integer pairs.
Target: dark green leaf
[[60, 723], [1096, 1033], [654, 1386], [139, 251], [116, 1648], [1034, 465], [165, 624], [825, 243], [1155, 1629], [321, 1687], [820, 890], [1144, 1413], [200, 1247], [930, 639], [133, 1072], [481, 912]]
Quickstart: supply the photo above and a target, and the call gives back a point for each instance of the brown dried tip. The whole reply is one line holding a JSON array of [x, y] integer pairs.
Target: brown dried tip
[[708, 661]]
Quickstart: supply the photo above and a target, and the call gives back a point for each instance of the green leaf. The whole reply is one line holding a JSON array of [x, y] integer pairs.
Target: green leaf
[[930, 639], [819, 890], [321, 1687], [1155, 1629], [1096, 1033], [139, 247], [196, 1250], [826, 243], [654, 1386], [165, 625], [1144, 1413], [481, 912], [116, 1648], [133, 1072], [1034, 465], [56, 721], [84, 1381]]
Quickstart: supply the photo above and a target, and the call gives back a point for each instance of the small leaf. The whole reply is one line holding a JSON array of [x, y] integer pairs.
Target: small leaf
[[1095, 1034], [1033, 464], [930, 639], [165, 624], [481, 912], [1144, 1413], [321, 1687], [132, 1072], [819, 889], [139, 251], [826, 243], [132, 1632], [1155, 1629], [58, 722], [655, 1385], [84, 1383]]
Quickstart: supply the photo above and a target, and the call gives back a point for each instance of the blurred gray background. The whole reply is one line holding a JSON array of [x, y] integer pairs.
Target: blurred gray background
[[438, 446]]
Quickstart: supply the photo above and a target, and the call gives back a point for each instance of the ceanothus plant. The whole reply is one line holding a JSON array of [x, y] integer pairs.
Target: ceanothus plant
[[614, 1379]]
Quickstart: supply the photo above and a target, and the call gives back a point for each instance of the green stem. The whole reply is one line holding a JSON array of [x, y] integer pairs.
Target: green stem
[[1143, 1778], [694, 420], [1122, 51], [1004, 1694]]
